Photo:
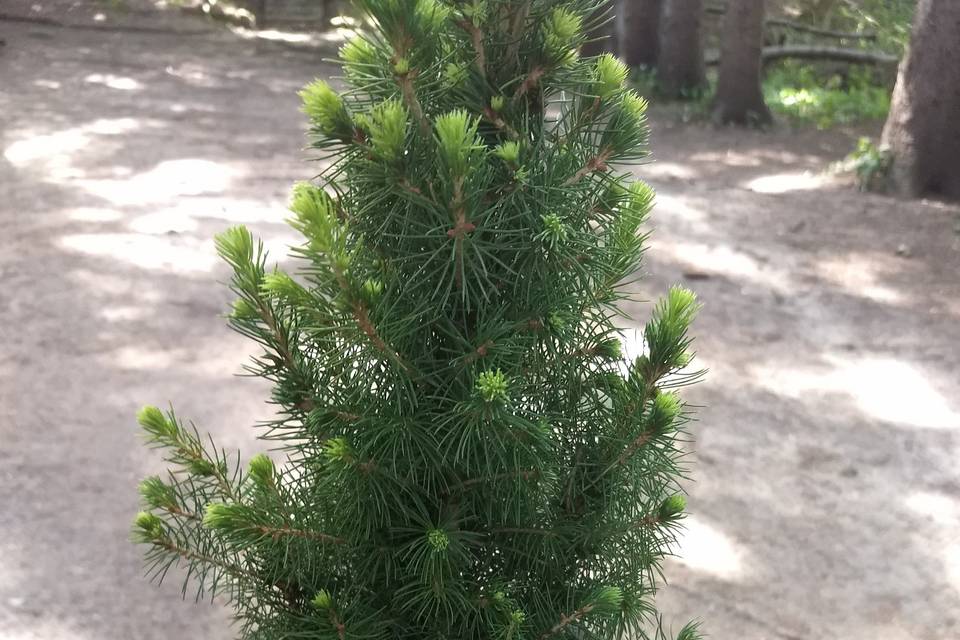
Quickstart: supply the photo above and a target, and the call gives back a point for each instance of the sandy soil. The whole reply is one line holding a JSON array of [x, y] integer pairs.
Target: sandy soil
[[827, 494]]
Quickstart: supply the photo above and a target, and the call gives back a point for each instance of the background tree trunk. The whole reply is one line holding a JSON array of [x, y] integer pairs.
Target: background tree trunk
[[681, 71], [739, 96], [604, 38], [923, 128], [639, 33]]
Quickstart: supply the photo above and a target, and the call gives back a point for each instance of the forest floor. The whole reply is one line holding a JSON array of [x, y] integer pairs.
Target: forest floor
[[826, 500]]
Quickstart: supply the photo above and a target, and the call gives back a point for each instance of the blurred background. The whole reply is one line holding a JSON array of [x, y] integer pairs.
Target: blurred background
[[826, 493]]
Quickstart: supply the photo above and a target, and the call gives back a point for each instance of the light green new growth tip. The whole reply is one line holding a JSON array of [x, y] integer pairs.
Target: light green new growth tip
[[322, 600], [388, 129], [324, 107], [261, 470], [611, 75], [457, 139], [493, 386], [438, 540], [563, 34], [156, 424]]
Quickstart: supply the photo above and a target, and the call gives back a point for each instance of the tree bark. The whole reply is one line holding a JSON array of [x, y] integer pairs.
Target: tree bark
[[639, 33], [603, 38], [922, 131], [681, 72], [739, 98]]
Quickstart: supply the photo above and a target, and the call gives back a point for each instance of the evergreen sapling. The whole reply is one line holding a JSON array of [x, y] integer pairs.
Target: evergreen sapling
[[467, 453]]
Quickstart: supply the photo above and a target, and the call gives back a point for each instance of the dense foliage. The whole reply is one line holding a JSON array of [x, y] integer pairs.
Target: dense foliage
[[467, 452], [805, 94], [889, 19]]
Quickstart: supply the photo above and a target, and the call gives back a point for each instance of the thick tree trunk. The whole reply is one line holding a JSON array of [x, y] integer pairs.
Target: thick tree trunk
[[923, 128], [681, 71], [603, 38], [739, 97], [639, 32]]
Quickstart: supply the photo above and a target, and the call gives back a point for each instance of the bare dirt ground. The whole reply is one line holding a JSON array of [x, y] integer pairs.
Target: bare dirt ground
[[827, 493]]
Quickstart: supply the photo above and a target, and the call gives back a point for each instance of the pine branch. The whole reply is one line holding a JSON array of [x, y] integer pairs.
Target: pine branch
[[593, 165], [410, 99], [277, 533], [461, 227], [526, 530], [172, 547], [566, 620], [525, 474], [362, 317], [283, 345], [494, 118], [518, 20], [529, 82], [476, 38]]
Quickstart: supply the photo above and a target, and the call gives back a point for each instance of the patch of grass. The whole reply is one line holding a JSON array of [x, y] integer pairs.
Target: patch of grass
[[807, 95]]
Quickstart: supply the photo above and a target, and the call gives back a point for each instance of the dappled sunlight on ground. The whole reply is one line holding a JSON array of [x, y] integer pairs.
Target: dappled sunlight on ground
[[723, 260], [93, 214], [944, 511], [941, 508], [670, 171], [52, 153], [886, 389], [185, 215], [863, 275], [784, 182], [746, 158], [166, 181], [705, 548], [121, 83], [951, 561], [170, 356], [678, 207], [144, 251]]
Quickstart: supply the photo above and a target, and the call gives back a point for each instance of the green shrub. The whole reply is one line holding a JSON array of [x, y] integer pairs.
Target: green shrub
[[869, 162], [806, 95]]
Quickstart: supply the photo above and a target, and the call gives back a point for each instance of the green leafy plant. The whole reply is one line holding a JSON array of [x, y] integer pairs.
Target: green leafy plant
[[890, 20], [466, 451], [806, 95], [870, 163]]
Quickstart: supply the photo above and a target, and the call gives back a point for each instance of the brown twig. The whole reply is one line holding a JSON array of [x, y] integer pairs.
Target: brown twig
[[362, 317], [279, 532], [529, 82], [500, 123], [476, 37], [461, 227], [525, 474], [410, 98], [193, 556], [517, 23], [596, 163], [565, 620]]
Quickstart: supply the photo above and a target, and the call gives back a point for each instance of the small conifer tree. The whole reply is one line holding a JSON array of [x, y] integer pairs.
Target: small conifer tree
[[466, 452]]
